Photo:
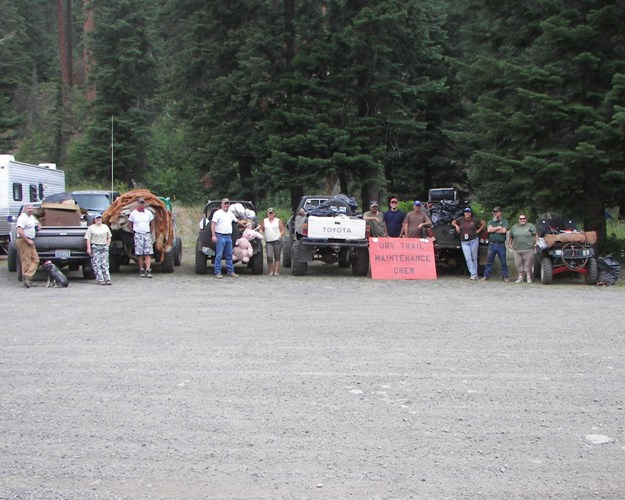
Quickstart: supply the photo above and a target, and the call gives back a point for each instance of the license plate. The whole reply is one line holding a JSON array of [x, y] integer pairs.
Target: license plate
[[62, 254]]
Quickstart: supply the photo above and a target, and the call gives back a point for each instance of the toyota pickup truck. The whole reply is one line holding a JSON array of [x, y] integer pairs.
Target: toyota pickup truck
[[326, 228], [60, 238]]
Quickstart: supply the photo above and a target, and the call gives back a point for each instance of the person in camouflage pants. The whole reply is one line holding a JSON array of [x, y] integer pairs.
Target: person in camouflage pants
[[98, 238]]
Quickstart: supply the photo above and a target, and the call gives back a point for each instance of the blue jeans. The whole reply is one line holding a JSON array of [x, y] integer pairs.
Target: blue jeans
[[499, 250], [469, 249], [223, 248]]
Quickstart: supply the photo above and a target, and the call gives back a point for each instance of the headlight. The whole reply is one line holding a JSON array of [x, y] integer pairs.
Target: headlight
[[558, 253]]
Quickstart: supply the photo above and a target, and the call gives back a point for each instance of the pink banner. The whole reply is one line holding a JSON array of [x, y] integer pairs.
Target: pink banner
[[402, 259]]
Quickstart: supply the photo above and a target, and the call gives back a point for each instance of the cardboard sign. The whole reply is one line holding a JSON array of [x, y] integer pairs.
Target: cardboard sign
[[402, 259]]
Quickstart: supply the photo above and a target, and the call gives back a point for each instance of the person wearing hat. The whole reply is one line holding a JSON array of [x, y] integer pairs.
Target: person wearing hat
[[416, 223], [497, 229], [469, 227], [26, 228], [375, 220], [141, 223], [98, 238], [394, 219], [221, 231], [273, 230]]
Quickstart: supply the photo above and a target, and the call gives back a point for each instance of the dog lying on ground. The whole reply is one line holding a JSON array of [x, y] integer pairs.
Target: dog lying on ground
[[55, 276]]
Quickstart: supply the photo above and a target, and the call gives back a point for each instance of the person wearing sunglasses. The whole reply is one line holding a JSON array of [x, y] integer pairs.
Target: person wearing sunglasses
[[221, 231], [522, 240]]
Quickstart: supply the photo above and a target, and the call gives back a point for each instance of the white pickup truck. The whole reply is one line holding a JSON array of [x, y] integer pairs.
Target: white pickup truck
[[325, 228]]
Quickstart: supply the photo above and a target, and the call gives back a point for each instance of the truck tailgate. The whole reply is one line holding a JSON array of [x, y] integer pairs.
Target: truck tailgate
[[341, 228], [61, 238]]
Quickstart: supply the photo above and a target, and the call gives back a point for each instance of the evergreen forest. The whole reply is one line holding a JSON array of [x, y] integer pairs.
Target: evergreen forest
[[519, 104]]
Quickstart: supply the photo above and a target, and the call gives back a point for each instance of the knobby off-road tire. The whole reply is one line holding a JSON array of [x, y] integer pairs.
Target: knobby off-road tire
[[286, 252], [177, 252], [298, 267], [536, 270], [167, 266], [200, 262], [360, 263], [546, 271], [593, 272], [12, 259], [87, 271], [114, 263], [344, 255], [256, 263], [19, 268]]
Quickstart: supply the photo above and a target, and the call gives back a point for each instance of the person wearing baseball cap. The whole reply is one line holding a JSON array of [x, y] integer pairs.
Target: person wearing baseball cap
[[98, 238], [469, 227], [394, 218], [497, 229], [416, 223], [141, 223], [221, 234], [375, 220]]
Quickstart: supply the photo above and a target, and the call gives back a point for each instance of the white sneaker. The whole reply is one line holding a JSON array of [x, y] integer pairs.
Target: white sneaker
[[519, 279], [529, 280]]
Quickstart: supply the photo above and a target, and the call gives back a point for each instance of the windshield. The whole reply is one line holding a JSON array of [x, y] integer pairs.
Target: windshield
[[97, 202]]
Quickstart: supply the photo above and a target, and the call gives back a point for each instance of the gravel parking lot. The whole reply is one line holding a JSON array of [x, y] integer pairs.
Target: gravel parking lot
[[324, 386]]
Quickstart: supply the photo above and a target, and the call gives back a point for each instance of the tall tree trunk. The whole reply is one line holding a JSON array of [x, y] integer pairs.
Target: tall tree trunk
[[63, 55], [88, 26], [594, 210], [69, 35], [296, 195]]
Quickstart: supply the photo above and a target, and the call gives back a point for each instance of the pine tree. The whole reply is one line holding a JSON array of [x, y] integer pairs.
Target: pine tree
[[27, 58], [366, 98], [543, 116], [124, 76]]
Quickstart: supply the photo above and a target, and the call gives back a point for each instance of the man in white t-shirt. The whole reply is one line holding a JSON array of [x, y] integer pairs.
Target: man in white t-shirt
[[141, 222], [221, 231], [26, 227]]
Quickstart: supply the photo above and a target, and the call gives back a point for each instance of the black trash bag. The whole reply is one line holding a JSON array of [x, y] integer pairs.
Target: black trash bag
[[609, 270], [444, 212], [339, 204]]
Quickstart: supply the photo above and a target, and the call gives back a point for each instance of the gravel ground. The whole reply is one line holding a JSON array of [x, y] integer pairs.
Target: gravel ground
[[325, 386]]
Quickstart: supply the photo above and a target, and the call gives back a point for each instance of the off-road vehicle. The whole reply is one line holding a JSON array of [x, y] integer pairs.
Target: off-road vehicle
[[328, 229], [563, 249], [443, 206], [205, 248]]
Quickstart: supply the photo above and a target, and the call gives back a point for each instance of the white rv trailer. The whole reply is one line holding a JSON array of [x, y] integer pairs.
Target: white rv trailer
[[22, 183]]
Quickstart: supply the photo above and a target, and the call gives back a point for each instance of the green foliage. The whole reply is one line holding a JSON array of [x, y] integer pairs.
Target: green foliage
[[171, 171], [124, 74], [516, 104], [40, 128], [546, 99], [615, 246], [279, 200]]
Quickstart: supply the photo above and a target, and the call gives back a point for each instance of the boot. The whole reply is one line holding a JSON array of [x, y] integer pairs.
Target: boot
[[28, 282]]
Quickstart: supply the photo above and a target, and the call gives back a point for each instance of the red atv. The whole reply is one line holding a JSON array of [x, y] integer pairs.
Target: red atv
[[561, 249]]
